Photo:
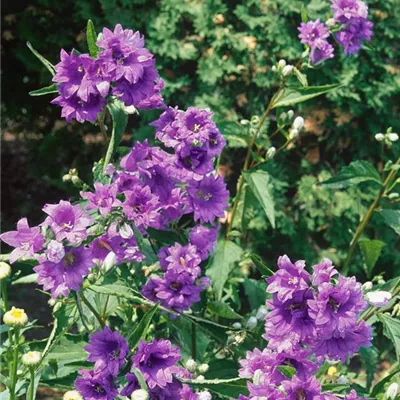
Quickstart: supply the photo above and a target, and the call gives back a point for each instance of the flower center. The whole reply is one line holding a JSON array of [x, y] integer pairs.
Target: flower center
[[25, 246], [300, 395], [196, 128], [114, 354], [17, 313], [333, 304], [293, 281], [99, 389], [204, 196], [69, 259], [182, 261]]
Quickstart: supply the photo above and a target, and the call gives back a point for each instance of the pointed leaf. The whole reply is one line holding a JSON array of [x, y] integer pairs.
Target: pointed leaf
[[304, 17], [294, 95], [262, 268], [46, 63], [391, 329], [223, 310], [357, 172], [259, 184], [371, 250], [43, 91], [91, 39], [142, 327], [392, 218]]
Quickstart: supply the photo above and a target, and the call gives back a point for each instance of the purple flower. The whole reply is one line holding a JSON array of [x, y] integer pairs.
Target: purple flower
[[353, 396], [194, 158], [103, 199], [289, 279], [320, 52], [156, 361], [353, 34], [312, 32], [132, 384], [167, 130], [323, 272], [59, 278], [307, 389], [96, 386], [255, 360], [108, 350], [26, 240], [346, 10], [208, 198], [55, 251], [204, 239], [67, 221], [183, 258]]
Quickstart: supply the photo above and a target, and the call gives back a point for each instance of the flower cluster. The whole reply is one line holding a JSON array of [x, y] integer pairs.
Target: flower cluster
[[156, 361], [124, 69], [312, 317], [354, 28]]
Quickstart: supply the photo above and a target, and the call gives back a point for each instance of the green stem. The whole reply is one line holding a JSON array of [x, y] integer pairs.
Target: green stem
[[80, 311], [367, 217], [104, 314], [194, 341], [4, 296], [93, 310], [32, 384], [102, 126], [14, 365]]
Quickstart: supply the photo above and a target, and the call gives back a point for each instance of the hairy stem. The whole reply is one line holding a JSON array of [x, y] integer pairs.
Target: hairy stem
[[367, 217], [14, 366]]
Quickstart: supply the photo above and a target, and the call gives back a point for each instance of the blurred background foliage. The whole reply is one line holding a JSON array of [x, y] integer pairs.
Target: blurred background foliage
[[216, 54]]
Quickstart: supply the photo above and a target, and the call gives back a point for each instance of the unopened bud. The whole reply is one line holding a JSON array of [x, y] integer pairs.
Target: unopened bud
[[66, 178], [76, 180], [15, 317], [5, 270], [271, 152], [283, 116], [330, 22], [31, 358], [274, 69], [255, 119], [109, 261], [298, 123], [191, 365], [200, 378], [126, 231], [236, 325], [393, 137], [367, 286], [139, 394], [392, 391], [203, 368], [251, 323], [55, 251], [72, 395], [290, 114], [261, 313], [131, 110], [293, 134], [281, 64], [379, 137], [393, 195], [379, 298], [287, 70], [204, 395], [244, 122]]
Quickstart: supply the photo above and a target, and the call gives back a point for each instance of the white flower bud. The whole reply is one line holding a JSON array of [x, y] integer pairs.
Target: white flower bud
[[293, 134], [5, 270], [55, 251], [379, 298], [31, 358], [203, 368], [287, 70], [392, 391], [367, 286], [274, 68], [72, 395], [281, 64], [200, 378], [236, 325], [110, 169], [290, 114], [283, 116], [343, 380], [131, 110], [109, 261], [271, 152], [191, 365], [330, 22], [393, 195], [393, 137], [261, 313], [379, 137], [251, 323], [298, 123], [204, 395], [139, 394], [66, 178], [15, 317], [244, 122], [126, 231]]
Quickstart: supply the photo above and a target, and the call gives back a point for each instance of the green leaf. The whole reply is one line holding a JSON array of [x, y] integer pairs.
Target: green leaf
[[380, 386], [223, 310], [70, 348], [391, 329], [91, 39], [46, 90], [226, 388], [140, 379], [46, 63], [259, 184], [287, 370], [256, 292], [371, 250], [163, 237], [226, 255], [392, 218], [119, 288], [259, 264], [304, 17], [357, 172], [120, 120], [369, 357], [302, 78], [142, 327], [31, 278], [294, 95]]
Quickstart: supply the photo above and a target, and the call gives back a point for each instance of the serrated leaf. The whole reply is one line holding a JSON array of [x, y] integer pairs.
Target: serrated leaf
[[141, 328], [91, 39], [226, 255], [226, 388], [259, 184], [294, 95], [223, 310], [371, 250], [44, 61], [391, 329], [357, 172], [43, 91], [392, 219], [163, 237], [369, 357]]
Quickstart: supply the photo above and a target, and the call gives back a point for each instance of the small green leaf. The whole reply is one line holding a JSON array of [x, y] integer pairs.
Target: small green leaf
[[294, 95], [380, 386], [357, 172], [91, 39], [223, 310], [46, 63], [371, 250], [140, 379], [226, 388], [259, 264], [31, 278], [142, 327], [259, 184], [302, 78], [392, 218], [113, 289], [43, 91], [391, 329], [286, 370], [304, 17], [226, 255]]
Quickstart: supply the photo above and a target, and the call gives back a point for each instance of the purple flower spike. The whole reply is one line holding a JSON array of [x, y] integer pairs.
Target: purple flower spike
[[27, 241], [67, 221], [108, 350], [95, 386], [156, 361]]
